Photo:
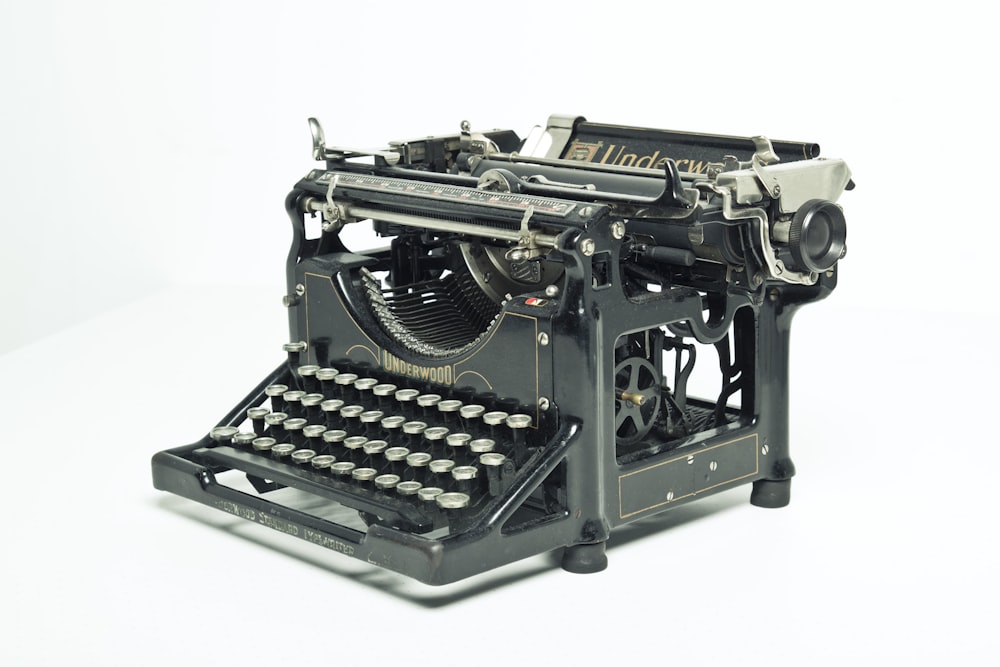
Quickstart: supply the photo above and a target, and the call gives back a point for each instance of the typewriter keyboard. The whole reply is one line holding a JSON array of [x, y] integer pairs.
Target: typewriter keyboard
[[412, 459]]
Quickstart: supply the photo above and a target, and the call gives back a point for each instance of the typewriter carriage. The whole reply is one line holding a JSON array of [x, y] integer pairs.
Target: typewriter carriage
[[581, 298]]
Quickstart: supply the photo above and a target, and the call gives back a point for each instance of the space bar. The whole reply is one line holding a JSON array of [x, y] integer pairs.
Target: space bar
[[385, 507]]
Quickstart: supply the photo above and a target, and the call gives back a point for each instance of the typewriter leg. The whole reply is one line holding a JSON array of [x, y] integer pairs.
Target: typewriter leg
[[771, 493], [585, 558]]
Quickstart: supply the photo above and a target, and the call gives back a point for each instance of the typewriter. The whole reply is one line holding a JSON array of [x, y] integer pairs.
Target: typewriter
[[550, 338]]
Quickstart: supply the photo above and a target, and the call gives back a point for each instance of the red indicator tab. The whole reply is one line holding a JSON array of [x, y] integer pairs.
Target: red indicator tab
[[534, 301]]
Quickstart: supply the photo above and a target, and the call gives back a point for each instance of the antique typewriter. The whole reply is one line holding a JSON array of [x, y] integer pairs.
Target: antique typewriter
[[552, 337]]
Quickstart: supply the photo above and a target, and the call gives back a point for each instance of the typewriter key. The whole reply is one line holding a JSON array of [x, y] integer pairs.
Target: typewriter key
[[355, 447], [342, 470], [282, 451], [440, 470], [471, 417], [345, 386], [449, 410], [323, 461], [407, 399], [263, 445], [499, 472], [326, 383], [274, 420], [374, 449], [429, 493], [414, 433], [370, 422], [384, 394], [293, 402], [293, 430], [465, 478], [314, 433], [243, 439], [428, 405], [364, 476], [392, 428], [408, 488], [303, 456], [482, 445], [256, 417], [223, 435], [308, 375], [517, 424], [416, 463], [351, 415], [331, 408], [275, 393], [386, 482], [312, 403], [396, 459], [458, 443], [452, 501]]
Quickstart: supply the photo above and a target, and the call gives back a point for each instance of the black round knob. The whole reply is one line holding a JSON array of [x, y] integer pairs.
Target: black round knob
[[818, 235]]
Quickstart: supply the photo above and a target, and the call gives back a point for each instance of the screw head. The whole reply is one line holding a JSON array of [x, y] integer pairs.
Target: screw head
[[543, 404], [300, 289], [764, 449], [543, 339], [618, 229], [552, 290], [587, 247]]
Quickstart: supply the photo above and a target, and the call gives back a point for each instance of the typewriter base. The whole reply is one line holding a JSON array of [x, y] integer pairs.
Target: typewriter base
[[770, 493], [585, 558]]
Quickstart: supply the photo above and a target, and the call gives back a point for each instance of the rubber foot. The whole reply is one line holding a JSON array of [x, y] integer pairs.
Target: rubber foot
[[771, 493], [585, 558]]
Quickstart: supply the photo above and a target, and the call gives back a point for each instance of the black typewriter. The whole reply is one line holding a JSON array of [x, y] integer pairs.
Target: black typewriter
[[552, 337]]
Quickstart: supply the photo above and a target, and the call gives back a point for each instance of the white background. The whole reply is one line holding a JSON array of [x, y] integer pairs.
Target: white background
[[146, 151]]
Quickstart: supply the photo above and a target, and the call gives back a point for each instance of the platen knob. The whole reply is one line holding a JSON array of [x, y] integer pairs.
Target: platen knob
[[817, 237]]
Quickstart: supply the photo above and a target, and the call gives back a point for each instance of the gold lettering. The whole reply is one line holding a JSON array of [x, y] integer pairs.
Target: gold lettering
[[608, 154], [650, 160], [697, 167], [628, 156]]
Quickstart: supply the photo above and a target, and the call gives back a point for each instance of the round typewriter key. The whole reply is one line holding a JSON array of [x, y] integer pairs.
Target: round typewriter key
[[311, 403], [373, 451], [441, 465], [223, 435], [435, 433], [263, 444], [342, 469], [256, 416], [345, 385], [495, 418], [428, 404], [492, 459], [414, 428], [283, 450], [471, 416], [458, 444], [293, 402], [429, 493], [392, 427], [293, 430], [275, 393], [386, 482], [452, 501], [303, 456], [323, 461], [275, 419], [365, 384], [308, 375], [331, 408], [352, 417], [326, 383], [355, 447], [448, 410], [408, 488], [370, 422], [482, 445], [396, 453], [384, 389], [406, 395], [428, 400], [519, 421], [244, 439], [416, 463], [464, 472], [334, 435], [364, 475], [314, 431]]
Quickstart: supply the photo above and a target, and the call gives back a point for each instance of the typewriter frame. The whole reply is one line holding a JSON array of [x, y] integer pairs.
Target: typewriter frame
[[577, 329]]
